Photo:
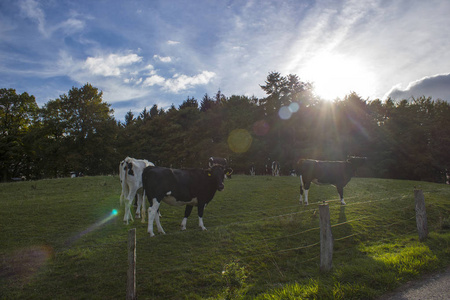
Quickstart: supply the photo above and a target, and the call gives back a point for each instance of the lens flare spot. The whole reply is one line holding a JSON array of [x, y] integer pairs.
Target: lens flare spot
[[114, 212], [294, 107], [239, 140], [284, 113], [23, 264]]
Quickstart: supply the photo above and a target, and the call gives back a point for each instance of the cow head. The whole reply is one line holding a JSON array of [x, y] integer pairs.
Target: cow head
[[217, 173], [356, 162]]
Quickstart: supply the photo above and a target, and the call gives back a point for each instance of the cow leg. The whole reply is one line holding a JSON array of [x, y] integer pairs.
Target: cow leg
[[143, 207], [129, 203], [187, 213], [158, 223], [301, 190], [152, 212], [201, 208], [127, 216], [340, 190], [139, 204], [304, 189]]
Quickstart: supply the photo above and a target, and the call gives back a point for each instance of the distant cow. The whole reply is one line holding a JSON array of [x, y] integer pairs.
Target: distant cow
[[275, 168], [130, 175], [337, 173], [218, 161], [74, 174], [252, 170], [190, 187]]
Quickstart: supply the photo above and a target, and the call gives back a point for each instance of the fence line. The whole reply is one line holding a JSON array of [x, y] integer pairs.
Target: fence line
[[121, 244], [326, 238]]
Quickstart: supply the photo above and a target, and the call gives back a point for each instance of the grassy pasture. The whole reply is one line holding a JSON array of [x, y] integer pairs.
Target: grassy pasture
[[58, 240]]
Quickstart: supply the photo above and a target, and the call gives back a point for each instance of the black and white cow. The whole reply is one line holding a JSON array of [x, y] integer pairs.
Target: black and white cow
[[219, 161], [130, 175], [337, 173], [190, 187]]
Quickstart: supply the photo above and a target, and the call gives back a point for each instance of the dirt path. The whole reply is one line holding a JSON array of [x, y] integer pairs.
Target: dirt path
[[434, 286]]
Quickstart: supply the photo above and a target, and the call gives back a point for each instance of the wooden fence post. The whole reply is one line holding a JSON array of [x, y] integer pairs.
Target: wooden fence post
[[131, 274], [421, 214], [326, 238]]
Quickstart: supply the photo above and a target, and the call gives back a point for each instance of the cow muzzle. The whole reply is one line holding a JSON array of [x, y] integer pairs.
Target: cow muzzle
[[220, 187]]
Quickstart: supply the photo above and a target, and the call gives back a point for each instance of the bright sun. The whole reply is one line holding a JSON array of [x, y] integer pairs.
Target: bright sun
[[335, 76]]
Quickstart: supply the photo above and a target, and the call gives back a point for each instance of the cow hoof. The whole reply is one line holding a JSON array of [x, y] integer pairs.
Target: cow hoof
[[203, 228], [342, 202], [183, 228]]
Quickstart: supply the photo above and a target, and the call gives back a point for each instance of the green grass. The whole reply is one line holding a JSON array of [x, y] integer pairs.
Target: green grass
[[260, 243]]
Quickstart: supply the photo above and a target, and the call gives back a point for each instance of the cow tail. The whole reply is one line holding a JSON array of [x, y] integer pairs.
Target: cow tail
[[302, 184], [124, 186]]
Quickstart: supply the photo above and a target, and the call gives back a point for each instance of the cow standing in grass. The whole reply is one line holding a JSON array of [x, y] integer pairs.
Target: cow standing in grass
[[337, 173], [190, 187], [130, 175]]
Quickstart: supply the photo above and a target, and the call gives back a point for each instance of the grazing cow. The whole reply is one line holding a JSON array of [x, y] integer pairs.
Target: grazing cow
[[337, 173], [190, 187], [275, 168], [130, 175]]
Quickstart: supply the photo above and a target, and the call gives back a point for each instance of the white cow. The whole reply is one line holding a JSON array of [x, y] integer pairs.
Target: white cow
[[130, 174], [275, 168]]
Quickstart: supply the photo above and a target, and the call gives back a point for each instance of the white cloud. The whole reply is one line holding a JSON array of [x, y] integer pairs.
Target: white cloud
[[154, 80], [437, 87], [73, 25], [111, 64], [179, 82], [170, 42], [182, 82], [165, 59]]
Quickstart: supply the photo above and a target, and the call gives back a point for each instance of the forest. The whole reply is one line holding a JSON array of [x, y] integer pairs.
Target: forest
[[407, 139]]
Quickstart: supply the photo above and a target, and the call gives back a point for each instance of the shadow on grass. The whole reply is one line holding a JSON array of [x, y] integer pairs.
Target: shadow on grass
[[367, 271]]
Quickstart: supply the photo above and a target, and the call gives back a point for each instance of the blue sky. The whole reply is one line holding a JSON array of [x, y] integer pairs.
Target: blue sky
[[141, 53]]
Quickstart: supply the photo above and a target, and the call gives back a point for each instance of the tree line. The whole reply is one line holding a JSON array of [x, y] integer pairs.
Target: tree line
[[409, 139]]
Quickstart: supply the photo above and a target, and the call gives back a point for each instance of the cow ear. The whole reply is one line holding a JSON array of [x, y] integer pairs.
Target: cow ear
[[228, 171], [209, 173]]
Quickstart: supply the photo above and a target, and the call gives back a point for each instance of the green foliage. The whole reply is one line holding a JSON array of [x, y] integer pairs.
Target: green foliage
[[234, 277], [17, 114], [76, 132]]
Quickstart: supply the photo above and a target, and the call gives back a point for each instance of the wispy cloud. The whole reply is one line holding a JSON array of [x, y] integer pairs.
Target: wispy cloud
[[165, 59], [33, 11]]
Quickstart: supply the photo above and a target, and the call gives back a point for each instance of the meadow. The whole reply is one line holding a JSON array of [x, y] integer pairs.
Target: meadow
[[60, 240]]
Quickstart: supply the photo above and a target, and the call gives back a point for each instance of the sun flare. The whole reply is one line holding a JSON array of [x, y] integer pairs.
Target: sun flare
[[335, 76]]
